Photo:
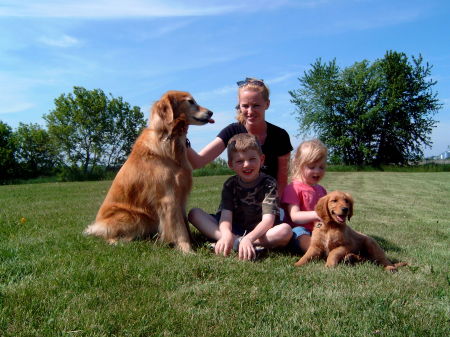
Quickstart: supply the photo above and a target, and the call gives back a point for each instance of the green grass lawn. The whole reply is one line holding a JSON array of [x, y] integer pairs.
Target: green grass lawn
[[56, 282]]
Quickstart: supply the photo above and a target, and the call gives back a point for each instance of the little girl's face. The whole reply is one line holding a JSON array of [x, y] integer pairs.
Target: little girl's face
[[312, 173]]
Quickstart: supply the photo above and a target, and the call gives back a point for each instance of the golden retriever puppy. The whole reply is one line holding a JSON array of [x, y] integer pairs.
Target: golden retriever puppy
[[150, 191], [336, 241]]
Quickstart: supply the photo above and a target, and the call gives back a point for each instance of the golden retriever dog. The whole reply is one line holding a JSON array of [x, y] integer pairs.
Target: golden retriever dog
[[336, 241], [150, 191]]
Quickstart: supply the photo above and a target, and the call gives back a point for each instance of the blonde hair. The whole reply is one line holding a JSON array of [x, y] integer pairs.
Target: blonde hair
[[252, 84], [308, 152], [242, 142]]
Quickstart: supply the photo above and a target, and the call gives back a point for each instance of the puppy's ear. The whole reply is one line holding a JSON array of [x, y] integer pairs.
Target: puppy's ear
[[322, 209], [350, 200]]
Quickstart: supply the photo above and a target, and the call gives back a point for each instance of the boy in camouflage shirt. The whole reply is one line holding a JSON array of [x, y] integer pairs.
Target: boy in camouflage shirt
[[248, 214]]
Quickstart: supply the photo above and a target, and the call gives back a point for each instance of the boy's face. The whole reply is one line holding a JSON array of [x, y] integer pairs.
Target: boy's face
[[246, 164]]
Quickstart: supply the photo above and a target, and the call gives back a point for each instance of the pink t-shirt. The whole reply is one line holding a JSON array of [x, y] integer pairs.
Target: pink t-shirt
[[303, 195]]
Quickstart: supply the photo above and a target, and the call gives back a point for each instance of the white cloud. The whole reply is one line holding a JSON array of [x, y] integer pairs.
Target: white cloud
[[15, 107], [111, 8], [232, 89], [14, 93], [64, 41], [376, 20], [222, 91], [91, 9], [283, 77]]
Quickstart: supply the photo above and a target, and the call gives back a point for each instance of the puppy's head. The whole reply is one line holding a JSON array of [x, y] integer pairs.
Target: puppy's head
[[176, 110], [335, 207]]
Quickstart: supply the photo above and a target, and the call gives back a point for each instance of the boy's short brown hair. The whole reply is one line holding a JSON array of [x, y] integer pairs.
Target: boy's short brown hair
[[243, 142]]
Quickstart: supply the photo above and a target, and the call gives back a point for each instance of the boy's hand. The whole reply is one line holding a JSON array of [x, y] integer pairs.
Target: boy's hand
[[225, 244], [246, 249]]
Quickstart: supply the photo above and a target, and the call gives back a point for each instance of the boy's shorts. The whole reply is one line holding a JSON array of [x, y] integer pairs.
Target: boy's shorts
[[296, 233], [237, 229]]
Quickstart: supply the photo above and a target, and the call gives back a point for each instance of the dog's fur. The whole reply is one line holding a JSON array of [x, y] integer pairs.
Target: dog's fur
[[150, 191], [336, 241]]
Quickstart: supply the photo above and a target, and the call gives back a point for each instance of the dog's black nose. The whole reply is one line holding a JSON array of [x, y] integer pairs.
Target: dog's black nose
[[344, 210], [210, 113]]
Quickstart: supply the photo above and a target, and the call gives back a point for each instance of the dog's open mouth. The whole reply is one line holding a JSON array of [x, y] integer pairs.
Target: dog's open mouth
[[340, 218], [204, 120]]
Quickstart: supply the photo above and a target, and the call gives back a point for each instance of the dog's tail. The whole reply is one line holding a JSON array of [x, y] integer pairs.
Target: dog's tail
[[100, 229], [96, 229]]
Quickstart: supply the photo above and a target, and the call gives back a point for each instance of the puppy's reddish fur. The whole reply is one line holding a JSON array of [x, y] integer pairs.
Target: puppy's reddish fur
[[150, 191], [334, 240]]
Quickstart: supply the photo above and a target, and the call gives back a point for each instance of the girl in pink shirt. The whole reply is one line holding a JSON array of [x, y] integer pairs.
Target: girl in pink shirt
[[301, 195]]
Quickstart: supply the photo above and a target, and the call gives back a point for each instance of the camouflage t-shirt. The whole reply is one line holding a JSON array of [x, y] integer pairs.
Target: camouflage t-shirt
[[249, 201]]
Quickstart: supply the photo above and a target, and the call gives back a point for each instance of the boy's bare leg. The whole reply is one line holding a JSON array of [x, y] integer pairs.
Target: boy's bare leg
[[205, 223], [277, 236]]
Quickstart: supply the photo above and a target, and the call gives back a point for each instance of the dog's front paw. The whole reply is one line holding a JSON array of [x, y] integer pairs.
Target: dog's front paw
[[300, 262], [185, 247], [391, 269]]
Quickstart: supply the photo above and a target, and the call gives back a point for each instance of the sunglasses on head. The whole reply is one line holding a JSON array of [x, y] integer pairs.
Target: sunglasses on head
[[248, 80]]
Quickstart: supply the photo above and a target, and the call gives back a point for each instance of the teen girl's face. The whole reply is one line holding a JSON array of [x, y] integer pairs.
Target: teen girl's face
[[247, 164], [312, 173], [252, 106]]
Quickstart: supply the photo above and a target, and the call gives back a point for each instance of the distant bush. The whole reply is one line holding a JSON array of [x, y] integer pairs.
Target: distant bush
[[75, 173], [391, 168], [218, 167]]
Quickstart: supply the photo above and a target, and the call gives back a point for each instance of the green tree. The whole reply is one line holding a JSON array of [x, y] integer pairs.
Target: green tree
[[369, 114], [92, 129], [8, 165], [36, 153]]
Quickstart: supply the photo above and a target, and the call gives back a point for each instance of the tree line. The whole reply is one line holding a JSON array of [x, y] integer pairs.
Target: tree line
[[87, 134], [368, 114]]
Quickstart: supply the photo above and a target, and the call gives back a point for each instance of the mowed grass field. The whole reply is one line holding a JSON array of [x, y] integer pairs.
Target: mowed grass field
[[56, 282]]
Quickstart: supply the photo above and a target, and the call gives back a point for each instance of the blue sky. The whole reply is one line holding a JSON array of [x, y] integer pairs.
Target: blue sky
[[139, 49]]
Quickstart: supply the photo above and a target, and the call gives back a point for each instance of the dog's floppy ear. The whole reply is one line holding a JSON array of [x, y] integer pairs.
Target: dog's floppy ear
[[161, 115], [322, 209], [165, 117], [165, 108], [350, 210]]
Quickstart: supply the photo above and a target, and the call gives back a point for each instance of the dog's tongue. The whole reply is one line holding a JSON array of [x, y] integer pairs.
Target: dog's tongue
[[340, 218], [211, 121]]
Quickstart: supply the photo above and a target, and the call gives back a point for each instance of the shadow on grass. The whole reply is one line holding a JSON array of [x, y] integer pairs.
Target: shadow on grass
[[385, 244], [198, 239]]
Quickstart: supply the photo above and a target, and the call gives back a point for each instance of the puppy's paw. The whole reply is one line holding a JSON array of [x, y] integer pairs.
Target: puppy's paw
[[391, 269]]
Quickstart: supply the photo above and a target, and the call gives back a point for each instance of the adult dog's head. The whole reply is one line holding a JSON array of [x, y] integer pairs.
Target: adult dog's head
[[175, 111], [336, 207]]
